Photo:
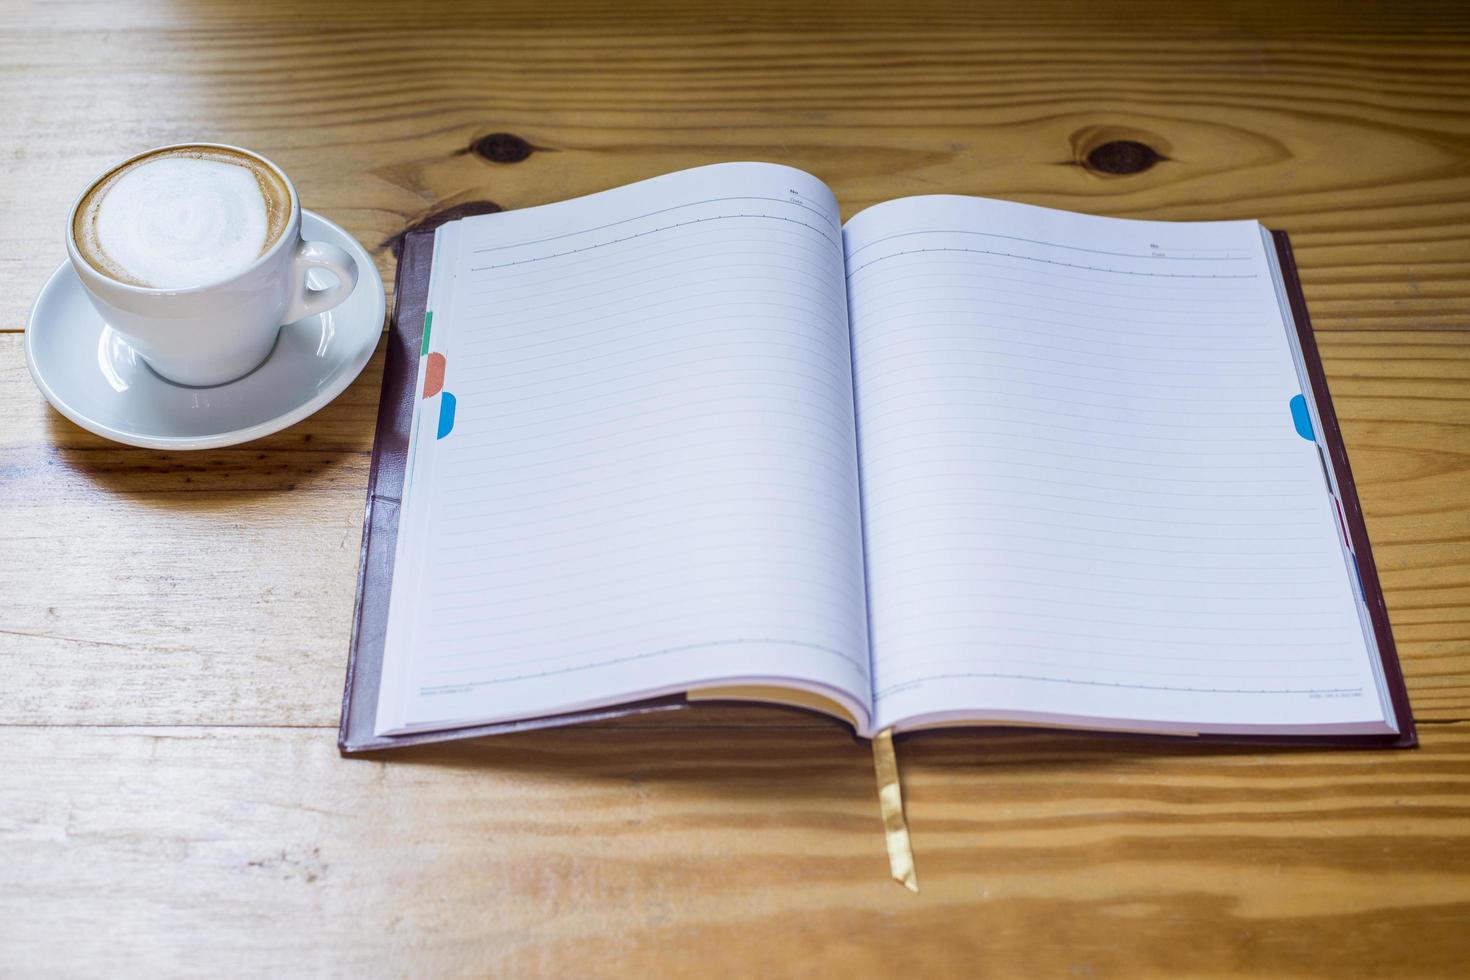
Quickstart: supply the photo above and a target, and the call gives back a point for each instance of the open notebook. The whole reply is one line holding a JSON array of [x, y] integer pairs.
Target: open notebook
[[958, 461]]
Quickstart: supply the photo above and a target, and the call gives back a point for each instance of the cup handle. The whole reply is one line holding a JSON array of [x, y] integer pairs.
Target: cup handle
[[319, 255]]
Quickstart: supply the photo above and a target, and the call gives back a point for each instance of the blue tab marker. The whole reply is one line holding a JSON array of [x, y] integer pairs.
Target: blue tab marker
[[1301, 418], [446, 414]]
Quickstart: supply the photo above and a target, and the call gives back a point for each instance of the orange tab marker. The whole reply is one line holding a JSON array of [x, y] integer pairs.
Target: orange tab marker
[[434, 375]]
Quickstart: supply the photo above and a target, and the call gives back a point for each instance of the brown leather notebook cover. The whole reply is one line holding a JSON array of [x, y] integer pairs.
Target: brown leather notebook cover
[[385, 490], [1393, 674]]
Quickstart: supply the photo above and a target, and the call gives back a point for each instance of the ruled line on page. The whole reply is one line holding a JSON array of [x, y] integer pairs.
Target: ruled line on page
[[1216, 254], [859, 668], [899, 688], [721, 262], [712, 247], [1072, 265], [642, 234], [962, 268], [823, 215], [958, 280]]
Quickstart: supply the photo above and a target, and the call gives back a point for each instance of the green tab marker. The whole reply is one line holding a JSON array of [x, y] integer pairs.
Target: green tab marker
[[428, 322]]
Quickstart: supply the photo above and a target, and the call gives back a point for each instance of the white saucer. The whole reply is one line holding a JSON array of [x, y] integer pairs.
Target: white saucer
[[91, 375]]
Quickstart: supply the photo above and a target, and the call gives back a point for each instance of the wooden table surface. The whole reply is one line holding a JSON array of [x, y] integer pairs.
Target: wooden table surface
[[174, 626]]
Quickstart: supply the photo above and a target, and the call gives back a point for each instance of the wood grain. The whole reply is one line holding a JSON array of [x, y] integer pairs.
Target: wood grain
[[652, 850], [1355, 141], [173, 626]]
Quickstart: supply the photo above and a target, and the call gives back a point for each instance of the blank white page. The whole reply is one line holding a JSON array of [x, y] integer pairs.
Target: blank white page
[[1084, 499], [650, 483]]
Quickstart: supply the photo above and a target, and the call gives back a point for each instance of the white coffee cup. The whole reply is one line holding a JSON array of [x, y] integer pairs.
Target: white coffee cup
[[217, 332]]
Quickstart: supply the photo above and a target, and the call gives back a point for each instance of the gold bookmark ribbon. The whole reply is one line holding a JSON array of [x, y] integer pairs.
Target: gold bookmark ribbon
[[890, 802]]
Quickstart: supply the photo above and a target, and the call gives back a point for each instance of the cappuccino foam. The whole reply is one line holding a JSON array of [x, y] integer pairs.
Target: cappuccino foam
[[182, 217]]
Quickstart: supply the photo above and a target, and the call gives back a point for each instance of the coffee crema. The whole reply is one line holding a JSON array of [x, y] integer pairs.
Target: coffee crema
[[180, 217]]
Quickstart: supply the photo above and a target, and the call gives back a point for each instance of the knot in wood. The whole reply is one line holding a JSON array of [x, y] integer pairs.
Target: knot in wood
[[1122, 157], [502, 148]]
